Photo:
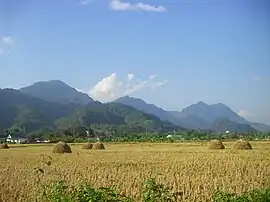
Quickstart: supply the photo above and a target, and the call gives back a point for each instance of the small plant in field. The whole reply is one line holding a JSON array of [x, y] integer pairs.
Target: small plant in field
[[256, 195], [60, 191], [154, 192]]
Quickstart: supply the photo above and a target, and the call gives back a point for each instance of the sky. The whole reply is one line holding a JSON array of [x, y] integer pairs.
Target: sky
[[171, 53]]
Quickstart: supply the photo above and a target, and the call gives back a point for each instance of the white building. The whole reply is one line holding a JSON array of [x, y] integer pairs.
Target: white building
[[16, 140]]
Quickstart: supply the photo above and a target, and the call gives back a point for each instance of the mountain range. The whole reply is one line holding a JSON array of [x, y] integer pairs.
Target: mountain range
[[54, 104], [200, 116]]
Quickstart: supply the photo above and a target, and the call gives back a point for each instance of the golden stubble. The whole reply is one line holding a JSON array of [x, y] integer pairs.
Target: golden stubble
[[188, 167]]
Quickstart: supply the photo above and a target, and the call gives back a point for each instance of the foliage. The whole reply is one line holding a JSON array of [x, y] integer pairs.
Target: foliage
[[30, 114], [255, 195], [154, 192], [60, 191]]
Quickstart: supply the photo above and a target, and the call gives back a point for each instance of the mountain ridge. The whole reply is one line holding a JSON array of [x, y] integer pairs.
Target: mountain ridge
[[198, 116], [19, 110], [56, 91]]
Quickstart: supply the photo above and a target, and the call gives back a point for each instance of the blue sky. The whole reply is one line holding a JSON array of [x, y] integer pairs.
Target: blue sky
[[171, 53]]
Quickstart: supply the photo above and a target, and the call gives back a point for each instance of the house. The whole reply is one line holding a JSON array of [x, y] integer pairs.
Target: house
[[16, 140], [40, 140]]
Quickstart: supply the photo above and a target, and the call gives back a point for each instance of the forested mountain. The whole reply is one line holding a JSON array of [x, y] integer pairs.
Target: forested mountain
[[19, 110], [199, 116], [54, 105], [223, 124], [148, 108], [56, 91]]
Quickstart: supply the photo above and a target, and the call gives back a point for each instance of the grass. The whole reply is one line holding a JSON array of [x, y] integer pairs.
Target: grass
[[187, 167]]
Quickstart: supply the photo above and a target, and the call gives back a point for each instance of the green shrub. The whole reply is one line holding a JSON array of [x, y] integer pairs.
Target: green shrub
[[59, 191], [256, 195], [154, 192]]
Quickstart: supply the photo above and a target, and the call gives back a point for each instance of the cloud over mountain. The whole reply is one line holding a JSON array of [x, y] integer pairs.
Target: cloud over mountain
[[110, 87]]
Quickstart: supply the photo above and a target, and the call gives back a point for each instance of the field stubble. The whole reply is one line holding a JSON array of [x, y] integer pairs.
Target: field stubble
[[187, 167]]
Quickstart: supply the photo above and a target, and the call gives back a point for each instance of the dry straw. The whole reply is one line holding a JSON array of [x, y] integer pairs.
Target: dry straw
[[242, 145], [98, 146], [88, 145], [4, 146], [216, 144], [61, 147]]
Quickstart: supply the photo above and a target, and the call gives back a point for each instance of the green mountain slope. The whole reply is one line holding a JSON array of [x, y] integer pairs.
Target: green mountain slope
[[18, 110], [115, 114]]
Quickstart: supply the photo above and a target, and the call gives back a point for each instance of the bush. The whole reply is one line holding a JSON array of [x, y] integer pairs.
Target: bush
[[256, 195], [154, 192], [59, 191]]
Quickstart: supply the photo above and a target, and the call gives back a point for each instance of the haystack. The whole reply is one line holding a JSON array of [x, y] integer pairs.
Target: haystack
[[216, 144], [61, 147], [88, 145], [242, 144], [98, 145], [4, 146]]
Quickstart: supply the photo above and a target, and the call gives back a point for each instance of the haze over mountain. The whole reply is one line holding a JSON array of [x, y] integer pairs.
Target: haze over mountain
[[214, 117]]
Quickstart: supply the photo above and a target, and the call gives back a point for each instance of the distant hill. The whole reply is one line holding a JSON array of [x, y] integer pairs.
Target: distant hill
[[56, 91], [260, 127], [223, 124], [209, 113], [19, 110], [148, 108], [116, 114], [197, 116]]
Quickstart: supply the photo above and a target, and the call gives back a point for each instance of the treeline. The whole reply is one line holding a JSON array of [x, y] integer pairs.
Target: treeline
[[111, 133]]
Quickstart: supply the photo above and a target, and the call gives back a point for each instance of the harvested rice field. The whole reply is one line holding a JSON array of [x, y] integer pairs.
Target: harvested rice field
[[189, 167]]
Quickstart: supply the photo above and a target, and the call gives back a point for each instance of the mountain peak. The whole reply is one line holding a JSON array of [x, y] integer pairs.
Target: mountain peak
[[201, 103], [56, 91]]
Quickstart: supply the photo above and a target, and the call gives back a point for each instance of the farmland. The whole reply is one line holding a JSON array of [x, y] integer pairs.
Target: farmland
[[189, 167]]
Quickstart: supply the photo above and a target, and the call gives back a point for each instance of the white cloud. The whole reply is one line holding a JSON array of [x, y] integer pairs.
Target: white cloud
[[5, 44], [85, 2], [130, 76], [7, 40], [124, 6], [111, 88], [244, 113]]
